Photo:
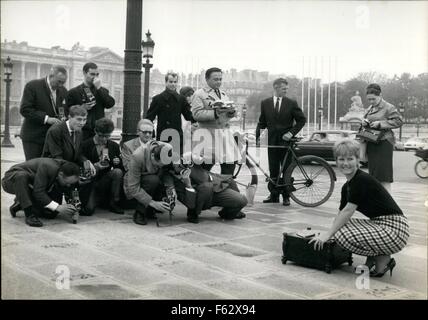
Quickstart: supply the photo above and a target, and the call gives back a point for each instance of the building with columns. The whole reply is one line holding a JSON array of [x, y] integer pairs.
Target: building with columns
[[31, 63]]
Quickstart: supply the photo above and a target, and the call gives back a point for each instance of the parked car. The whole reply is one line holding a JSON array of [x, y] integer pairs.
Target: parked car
[[416, 143], [399, 145], [321, 143]]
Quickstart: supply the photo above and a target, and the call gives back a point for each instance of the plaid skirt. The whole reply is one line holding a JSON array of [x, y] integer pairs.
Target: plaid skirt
[[382, 235]]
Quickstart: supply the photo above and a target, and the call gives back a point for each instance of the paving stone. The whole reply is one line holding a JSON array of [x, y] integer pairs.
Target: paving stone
[[192, 237], [272, 243], [132, 274], [219, 230], [236, 250], [190, 270], [302, 226], [220, 261], [245, 289], [182, 291], [291, 284], [78, 274], [16, 284], [25, 255], [106, 291]]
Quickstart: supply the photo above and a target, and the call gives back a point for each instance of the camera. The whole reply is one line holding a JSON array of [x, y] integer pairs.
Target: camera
[[75, 201]]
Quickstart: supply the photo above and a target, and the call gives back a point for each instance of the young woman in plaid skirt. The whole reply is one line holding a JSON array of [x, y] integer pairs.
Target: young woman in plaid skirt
[[384, 233]]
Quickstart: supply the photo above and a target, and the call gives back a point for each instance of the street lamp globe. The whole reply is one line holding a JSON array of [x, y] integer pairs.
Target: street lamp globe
[[148, 46], [8, 66]]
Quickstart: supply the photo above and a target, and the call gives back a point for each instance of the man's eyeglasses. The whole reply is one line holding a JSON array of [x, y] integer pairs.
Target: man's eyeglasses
[[145, 132]]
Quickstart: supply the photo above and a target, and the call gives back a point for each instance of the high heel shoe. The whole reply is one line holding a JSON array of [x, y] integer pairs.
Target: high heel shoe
[[390, 266]]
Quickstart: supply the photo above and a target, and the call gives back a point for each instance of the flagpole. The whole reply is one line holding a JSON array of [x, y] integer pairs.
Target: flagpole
[[328, 97], [309, 96], [315, 94], [321, 84], [335, 94]]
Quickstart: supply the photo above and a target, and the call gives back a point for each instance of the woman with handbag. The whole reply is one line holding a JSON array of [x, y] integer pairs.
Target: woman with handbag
[[380, 118]]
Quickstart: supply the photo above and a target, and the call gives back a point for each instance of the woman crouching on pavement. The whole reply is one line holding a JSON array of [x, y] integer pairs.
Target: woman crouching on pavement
[[384, 233]]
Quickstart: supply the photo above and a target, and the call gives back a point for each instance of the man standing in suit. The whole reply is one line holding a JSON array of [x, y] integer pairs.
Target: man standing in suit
[[145, 134], [213, 116], [168, 106], [42, 105], [105, 155], [283, 119], [39, 185], [92, 96]]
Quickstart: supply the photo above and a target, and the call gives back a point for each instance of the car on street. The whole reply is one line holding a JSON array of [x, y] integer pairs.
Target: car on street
[[399, 145], [416, 143], [321, 143]]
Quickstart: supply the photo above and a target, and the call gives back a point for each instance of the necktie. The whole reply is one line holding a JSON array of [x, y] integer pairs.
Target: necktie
[[217, 92], [277, 105], [73, 138]]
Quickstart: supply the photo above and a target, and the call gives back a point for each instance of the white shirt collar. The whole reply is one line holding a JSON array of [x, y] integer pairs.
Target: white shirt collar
[[49, 84], [68, 126]]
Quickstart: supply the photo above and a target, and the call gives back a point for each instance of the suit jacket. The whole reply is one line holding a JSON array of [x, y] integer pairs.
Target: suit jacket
[[36, 104], [59, 145], [388, 116], [89, 151], [139, 166], [204, 114], [168, 108], [128, 149], [103, 100], [43, 172], [290, 119]]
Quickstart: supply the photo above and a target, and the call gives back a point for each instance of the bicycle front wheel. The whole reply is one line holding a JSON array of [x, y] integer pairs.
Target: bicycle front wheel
[[312, 180], [421, 169]]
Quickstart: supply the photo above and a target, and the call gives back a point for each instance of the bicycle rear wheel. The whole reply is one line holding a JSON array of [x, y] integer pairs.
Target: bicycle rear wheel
[[312, 179], [421, 169]]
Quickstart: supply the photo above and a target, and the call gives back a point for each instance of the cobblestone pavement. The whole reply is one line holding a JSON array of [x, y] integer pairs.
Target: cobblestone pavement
[[110, 257]]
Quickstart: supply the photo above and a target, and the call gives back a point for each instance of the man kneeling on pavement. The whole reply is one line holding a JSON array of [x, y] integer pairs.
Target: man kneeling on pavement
[[39, 185], [151, 173]]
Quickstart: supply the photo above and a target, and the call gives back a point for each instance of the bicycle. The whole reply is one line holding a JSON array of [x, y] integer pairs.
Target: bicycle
[[308, 179], [421, 166]]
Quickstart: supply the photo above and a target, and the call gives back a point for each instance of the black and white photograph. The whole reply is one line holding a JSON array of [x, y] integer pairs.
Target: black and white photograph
[[214, 155]]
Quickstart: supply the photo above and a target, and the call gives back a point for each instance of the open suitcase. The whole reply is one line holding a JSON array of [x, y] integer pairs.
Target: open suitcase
[[296, 248]]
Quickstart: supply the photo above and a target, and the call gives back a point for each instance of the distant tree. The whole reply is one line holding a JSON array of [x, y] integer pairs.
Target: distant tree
[[372, 77]]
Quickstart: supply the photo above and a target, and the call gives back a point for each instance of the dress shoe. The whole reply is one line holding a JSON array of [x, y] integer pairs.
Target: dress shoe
[[227, 216], [14, 208], [389, 267], [286, 201], [240, 215], [271, 199], [139, 218], [33, 221], [114, 207]]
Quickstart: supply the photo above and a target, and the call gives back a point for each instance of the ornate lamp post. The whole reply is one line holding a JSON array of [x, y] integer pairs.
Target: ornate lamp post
[[244, 114], [8, 65], [148, 47], [401, 109], [320, 111]]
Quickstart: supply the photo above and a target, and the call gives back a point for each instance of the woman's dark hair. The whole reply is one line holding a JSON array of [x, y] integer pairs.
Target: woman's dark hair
[[104, 126], [70, 169], [373, 88], [186, 91], [211, 70]]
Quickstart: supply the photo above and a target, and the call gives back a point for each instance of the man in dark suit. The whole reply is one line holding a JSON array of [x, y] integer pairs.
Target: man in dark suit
[[39, 185], [283, 119], [105, 155], [92, 96], [168, 107], [42, 105], [63, 140]]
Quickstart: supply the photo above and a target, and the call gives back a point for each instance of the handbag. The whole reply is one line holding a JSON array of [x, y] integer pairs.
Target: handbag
[[370, 135]]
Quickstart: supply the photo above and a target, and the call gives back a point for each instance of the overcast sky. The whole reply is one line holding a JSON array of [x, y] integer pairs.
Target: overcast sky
[[275, 36]]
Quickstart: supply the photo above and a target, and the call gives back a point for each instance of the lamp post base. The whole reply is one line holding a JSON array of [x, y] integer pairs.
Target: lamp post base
[[6, 143]]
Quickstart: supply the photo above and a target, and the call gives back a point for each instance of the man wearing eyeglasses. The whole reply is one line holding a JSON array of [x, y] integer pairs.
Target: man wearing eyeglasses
[[94, 97], [145, 134], [105, 155]]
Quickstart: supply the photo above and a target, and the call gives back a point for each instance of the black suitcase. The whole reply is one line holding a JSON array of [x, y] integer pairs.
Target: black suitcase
[[297, 249]]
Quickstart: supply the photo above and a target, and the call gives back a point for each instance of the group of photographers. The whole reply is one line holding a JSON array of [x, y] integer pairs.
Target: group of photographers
[[70, 156]]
